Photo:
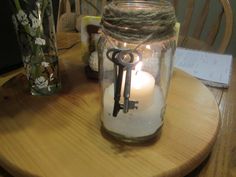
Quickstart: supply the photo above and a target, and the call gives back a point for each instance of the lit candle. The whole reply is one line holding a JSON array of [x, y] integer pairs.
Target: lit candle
[[142, 121], [142, 87]]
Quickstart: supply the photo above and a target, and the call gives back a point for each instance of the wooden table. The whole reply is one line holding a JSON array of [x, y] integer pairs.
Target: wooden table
[[218, 165], [222, 162]]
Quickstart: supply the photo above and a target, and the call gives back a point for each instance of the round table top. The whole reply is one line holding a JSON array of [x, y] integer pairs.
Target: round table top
[[60, 135]]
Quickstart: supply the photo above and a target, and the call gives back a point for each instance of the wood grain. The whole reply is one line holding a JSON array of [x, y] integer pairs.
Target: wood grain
[[201, 20], [211, 37], [66, 18], [192, 43], [224, 158], [222, 162], [187, 17], [66, 41], [5, 77], [218, 93], [60, 135], [228, 25], [175, 4]]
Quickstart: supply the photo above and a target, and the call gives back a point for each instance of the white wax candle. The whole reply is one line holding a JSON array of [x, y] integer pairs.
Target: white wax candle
[[142, 88], [135, 123], [145, 120]]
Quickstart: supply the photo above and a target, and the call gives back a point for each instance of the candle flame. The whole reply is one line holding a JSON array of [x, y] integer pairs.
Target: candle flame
[[125, 44], [138, 67], [148, 47]]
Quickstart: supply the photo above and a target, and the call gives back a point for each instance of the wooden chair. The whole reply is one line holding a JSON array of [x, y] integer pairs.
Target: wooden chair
[[198, 31], [66, 18], [69, 20]]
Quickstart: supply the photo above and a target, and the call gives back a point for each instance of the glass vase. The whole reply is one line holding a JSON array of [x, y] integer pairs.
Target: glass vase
[[34, 24], [136, 59]]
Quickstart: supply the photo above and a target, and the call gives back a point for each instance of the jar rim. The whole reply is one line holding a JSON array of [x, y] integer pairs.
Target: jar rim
[[139, 20], [141, 4]]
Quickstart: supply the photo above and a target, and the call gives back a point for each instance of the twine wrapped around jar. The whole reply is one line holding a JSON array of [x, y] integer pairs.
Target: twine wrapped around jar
[[139, 24]]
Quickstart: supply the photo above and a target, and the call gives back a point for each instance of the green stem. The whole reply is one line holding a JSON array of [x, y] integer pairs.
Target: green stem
[[17, 4]]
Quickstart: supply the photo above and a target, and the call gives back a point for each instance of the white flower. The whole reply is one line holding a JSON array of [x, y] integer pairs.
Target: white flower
[[26, 59], [40, 41], [51, 77], [27, 70], [45, 64], [41, 82], [35, 21], [22, 17], [32, 32]]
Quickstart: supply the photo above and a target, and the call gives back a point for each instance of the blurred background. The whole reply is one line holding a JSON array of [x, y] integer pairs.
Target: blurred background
[[10, 53]]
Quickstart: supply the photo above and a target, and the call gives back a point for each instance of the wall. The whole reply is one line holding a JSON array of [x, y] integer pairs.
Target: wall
[[9, 48]]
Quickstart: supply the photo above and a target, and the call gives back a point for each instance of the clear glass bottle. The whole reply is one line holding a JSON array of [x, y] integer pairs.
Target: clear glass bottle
[[35, 30], [135, 68]]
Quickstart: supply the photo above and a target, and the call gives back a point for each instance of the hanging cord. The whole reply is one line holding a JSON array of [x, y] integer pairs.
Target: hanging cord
[[137, 46]]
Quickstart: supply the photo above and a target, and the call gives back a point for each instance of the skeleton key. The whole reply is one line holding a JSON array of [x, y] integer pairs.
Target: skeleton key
[[127, 60], [117, 105], [127, 89], [124, 60], [112, 55], [127, 103]]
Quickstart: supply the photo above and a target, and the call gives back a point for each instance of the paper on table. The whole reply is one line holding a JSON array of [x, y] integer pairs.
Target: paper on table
[[213, 69]]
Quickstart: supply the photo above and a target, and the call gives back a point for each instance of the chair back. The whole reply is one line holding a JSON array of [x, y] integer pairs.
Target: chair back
[[70, 12], [209, 21], [66, 17], [90, 7]]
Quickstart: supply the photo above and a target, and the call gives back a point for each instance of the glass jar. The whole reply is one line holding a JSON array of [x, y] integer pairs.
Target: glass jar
[[136, 53], [35, 31]]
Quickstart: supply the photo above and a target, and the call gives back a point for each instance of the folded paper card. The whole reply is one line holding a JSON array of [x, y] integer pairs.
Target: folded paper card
[[213, 69]]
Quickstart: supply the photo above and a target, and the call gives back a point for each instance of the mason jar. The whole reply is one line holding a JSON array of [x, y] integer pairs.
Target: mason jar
[[136, 54]]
